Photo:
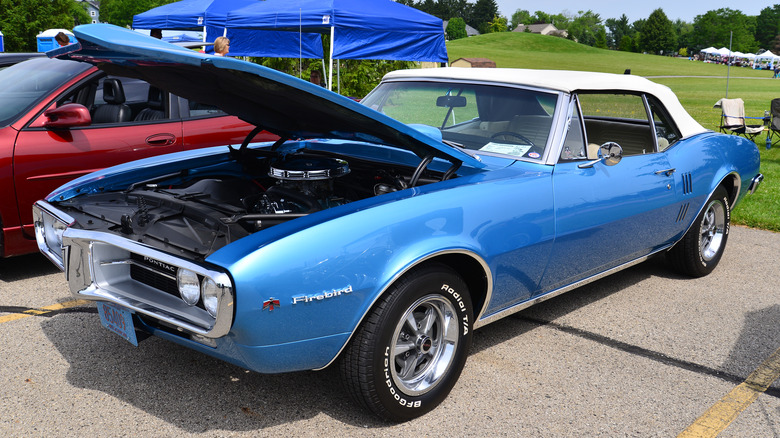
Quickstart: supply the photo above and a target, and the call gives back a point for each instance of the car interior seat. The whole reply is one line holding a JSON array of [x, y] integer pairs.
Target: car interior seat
[[155, 109], [114, 110]]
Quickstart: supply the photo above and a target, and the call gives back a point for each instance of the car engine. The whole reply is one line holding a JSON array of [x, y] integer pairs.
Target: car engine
[[196, 215]]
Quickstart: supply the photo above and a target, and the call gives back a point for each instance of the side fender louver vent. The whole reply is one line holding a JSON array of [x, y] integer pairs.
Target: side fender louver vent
[[683, 212], [687, 183]]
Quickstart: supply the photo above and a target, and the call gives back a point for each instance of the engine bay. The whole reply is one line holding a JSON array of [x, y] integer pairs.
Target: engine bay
[[195, 213]]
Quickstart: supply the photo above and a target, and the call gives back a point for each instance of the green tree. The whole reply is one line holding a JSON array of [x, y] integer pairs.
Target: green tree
[[561, 21], [618, 28], [684, 31], [601, 38], [584, 27], [715, 28], [767, 25], [498, 24], [120, 12], [658, 34], [626, 44], [521, 16], [456, 29], [482, 15], [23, 20]]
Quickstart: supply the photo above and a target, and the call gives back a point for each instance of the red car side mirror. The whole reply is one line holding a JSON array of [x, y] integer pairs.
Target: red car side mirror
[[67, 116]]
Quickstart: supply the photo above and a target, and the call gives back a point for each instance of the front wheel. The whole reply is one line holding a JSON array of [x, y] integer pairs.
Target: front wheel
[[701, 248], [409, 352]]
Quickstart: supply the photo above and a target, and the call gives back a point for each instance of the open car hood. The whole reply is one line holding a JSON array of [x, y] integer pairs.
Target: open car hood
[[275, 101]]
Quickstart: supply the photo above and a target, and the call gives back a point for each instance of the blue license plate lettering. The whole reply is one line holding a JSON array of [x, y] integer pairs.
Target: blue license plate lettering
[[118, 320]]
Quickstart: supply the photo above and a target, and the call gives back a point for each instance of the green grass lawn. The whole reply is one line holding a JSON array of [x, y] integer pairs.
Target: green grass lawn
[[698, 85]]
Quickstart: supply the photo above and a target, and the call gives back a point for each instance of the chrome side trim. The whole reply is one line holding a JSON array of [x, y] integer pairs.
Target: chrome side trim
[[552, 294], [488, 294]]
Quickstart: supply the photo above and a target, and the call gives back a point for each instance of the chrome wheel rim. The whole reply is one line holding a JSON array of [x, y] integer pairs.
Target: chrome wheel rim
[[423, 345], [713, 228]]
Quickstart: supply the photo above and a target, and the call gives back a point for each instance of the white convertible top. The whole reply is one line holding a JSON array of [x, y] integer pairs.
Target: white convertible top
[[565, 81]]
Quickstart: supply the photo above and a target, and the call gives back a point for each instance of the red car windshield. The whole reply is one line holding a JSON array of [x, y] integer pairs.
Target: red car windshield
[[30, 81]]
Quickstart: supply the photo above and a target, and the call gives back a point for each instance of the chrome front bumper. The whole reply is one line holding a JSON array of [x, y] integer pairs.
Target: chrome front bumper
[[754, 183], [101, 266]]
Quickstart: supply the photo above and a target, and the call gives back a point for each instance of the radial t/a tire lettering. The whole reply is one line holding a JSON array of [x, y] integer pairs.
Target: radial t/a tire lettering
[[702, 247], [410, 350]]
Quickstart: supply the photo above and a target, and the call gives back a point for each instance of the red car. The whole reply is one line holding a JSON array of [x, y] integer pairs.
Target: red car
[[63, 119]]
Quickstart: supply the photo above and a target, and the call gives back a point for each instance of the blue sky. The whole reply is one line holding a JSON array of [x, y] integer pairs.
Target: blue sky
[[686, 10]]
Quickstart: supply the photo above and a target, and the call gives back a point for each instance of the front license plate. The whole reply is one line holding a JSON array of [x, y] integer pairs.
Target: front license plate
[[118, 320]]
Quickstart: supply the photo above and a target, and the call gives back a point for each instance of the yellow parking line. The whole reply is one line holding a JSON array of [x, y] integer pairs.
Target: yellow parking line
[[721, 414], [42, 310]]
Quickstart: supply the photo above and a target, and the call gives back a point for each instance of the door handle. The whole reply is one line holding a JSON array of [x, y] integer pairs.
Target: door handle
[[668, 172], [161, 140]]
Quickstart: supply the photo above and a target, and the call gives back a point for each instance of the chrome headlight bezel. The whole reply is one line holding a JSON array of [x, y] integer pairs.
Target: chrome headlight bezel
[[49, 230]]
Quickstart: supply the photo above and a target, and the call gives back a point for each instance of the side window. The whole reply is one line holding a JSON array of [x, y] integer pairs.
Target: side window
[[619, 118], [574, 143], [113, 99], [203, 110], [665, 132], [145, 103]]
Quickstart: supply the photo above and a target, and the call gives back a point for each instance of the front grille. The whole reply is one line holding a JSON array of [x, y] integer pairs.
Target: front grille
[[144, 272], [156, 274]]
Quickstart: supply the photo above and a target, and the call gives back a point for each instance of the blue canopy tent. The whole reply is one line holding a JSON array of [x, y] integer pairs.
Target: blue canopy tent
[[209, 17], [359, 29]]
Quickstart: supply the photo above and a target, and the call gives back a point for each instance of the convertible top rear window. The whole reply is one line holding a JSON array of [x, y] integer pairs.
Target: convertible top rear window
[[32, 80]]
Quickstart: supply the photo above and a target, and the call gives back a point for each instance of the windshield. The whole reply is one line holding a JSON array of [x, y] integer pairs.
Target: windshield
[[488, 118], [30, 81]]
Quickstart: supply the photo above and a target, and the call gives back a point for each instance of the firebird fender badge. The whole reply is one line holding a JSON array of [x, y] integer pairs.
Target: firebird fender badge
[[322, 295], [270, 304]]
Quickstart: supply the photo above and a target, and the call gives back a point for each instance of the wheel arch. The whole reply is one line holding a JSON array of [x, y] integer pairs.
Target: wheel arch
[[470, 266], [732, 183]]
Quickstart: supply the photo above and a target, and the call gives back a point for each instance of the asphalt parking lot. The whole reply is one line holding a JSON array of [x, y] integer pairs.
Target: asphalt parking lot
[[644, 352]]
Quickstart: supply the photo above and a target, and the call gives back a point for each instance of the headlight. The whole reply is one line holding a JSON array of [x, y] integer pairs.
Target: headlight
[[210, 293], [189, 286]]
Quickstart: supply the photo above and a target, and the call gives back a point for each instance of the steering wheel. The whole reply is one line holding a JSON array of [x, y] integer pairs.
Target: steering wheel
[[513, 134]]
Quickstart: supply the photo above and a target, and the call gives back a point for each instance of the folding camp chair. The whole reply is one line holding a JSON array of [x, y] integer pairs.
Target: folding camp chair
[[774, 124], [732, 119]]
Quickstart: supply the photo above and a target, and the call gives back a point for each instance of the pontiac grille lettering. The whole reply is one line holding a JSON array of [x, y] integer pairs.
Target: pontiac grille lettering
[[159, 264], [324, 295]]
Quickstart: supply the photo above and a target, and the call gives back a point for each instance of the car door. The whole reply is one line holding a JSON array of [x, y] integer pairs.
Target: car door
[[44, 158], [607, 215], [206, 125]]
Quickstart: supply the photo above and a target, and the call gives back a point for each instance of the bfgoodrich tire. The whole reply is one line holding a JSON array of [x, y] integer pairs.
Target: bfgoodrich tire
[[409, 352], [700, 250]]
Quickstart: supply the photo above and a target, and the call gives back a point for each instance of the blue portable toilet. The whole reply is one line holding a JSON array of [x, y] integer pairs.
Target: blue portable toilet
[[47, 42], [2, 45]]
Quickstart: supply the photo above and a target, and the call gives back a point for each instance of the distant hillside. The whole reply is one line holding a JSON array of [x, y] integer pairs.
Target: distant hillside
[[527, 50]]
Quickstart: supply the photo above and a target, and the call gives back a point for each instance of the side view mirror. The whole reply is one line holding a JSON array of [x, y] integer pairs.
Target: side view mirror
[[67, 116], [611, 152]]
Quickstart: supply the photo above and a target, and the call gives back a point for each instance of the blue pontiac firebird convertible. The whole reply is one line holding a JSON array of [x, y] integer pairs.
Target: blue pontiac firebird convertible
[[378, 236]]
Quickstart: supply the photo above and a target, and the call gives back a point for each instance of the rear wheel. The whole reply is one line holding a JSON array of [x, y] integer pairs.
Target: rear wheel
[[409, 352], [702, 247]]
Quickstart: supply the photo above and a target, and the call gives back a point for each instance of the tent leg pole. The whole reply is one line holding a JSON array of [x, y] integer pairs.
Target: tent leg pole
[[330, 71]]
